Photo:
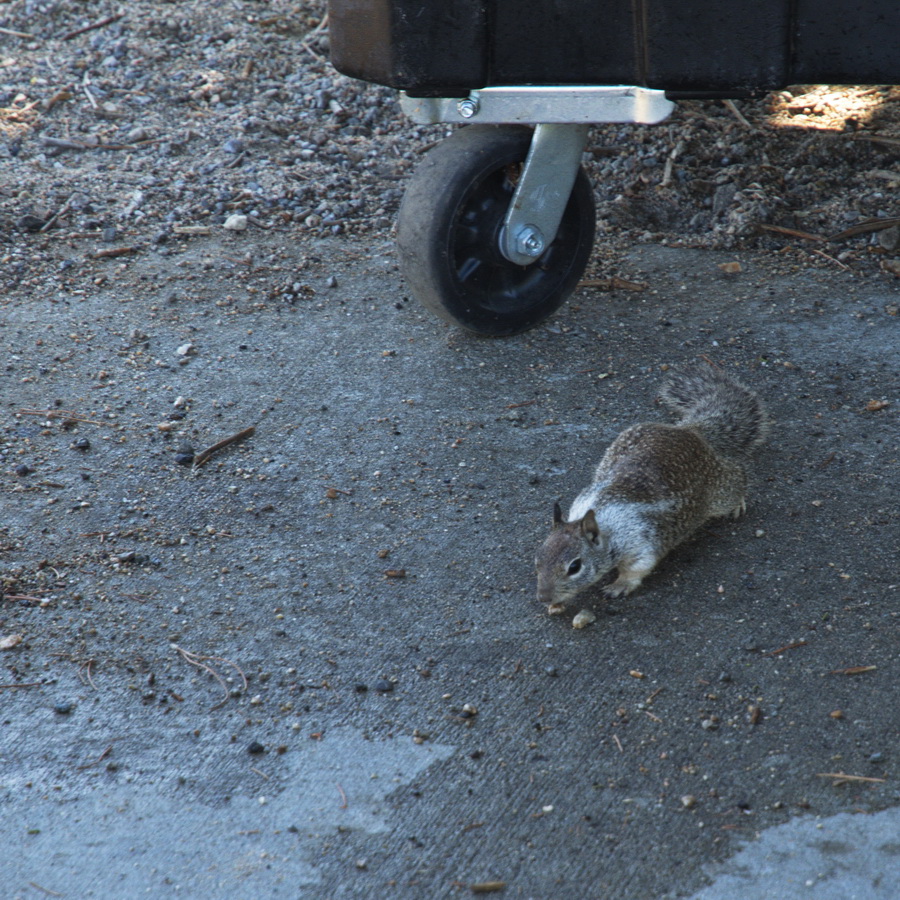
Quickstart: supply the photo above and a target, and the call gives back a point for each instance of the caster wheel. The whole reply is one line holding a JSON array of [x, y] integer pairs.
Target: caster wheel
[[448, 235]]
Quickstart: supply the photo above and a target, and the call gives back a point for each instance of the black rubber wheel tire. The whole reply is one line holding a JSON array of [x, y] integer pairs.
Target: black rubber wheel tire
[[448, 235]]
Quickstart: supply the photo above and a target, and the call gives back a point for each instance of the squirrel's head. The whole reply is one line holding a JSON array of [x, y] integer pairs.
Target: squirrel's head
[[574, 556]]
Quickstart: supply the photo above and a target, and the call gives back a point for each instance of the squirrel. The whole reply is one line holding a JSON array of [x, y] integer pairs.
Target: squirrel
[[654, 487]]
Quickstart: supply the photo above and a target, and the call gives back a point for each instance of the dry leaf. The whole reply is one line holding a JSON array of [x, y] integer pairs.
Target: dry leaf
[[730, 268], [875, 405], [10, 641]]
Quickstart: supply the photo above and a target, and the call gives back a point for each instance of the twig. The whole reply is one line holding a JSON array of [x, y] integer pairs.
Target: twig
[[654, 695], [312, 35], [343, 796], [842, 777], [792, 232], [113, 252], [66, 144], [58, 414], [618, 743], [200, 662], [89, 95], [204, 455], [21, 684], [195, 661], [488, 887], [670, 163], [192, 229], [853, 670], [63, 144], [87, 671], [99, 759], [785, 647], [62, 210], [732, 108], [877, 139], [58, 97], [102, 23], [21, 34], [837, 262], [23, 597], [40, 887], [612, 284], [865, 228]]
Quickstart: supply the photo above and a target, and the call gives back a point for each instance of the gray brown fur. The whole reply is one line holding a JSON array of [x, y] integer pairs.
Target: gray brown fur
[[655, 486]]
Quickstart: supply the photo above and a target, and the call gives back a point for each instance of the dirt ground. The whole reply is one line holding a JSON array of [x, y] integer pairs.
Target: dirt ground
[[314, 666]]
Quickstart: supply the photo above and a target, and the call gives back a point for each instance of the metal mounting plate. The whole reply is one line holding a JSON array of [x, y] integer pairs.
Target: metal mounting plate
[[556, 104]]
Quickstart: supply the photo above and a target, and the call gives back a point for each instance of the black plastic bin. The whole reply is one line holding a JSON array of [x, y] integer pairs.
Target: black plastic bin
[[473, 244]]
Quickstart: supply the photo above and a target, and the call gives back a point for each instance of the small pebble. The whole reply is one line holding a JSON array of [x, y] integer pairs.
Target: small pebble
[[185, 456], [30, 223], [23, 469], [81, 444], [236, 222], [383, 686], [63, 709], [256, 747]]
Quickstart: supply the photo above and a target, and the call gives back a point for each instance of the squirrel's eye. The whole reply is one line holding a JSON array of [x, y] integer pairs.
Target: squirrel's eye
[[574, 567]]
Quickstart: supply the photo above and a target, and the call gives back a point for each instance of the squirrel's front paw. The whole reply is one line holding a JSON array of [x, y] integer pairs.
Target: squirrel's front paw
[[629, 580], [620, 587]]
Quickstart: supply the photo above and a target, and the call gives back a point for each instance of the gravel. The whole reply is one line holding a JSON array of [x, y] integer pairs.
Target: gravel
[[228, 115]]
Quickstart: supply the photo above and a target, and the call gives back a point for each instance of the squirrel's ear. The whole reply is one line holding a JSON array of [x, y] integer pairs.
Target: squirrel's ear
[[557, 515], [589, 526]]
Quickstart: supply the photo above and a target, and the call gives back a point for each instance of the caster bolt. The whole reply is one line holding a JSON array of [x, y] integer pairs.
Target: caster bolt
[[530, 241], [467, 107]]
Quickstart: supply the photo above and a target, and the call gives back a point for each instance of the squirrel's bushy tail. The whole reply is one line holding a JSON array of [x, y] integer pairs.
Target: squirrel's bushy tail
[[730, 416]]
